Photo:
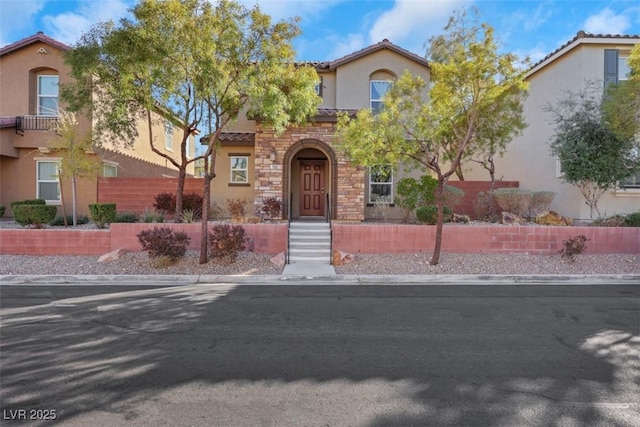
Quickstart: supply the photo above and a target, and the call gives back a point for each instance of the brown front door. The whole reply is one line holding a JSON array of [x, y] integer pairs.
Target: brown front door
[[312, 188]]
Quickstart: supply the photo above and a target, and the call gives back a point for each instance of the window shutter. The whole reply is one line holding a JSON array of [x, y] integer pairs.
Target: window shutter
[[610, 66]]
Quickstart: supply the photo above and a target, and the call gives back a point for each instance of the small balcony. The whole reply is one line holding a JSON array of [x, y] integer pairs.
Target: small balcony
[[34, 123]]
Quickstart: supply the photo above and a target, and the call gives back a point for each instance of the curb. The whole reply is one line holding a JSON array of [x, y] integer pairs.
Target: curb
[[436, 279]]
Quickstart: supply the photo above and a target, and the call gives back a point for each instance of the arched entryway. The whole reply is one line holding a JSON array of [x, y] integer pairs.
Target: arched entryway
[[310, 180]]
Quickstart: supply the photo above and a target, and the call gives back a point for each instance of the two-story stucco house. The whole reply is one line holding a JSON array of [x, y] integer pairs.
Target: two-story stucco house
[[584, 59], [303, 167], [31, 71]]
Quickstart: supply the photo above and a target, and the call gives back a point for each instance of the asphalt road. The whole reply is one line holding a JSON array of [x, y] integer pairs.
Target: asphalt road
[[301, 355]]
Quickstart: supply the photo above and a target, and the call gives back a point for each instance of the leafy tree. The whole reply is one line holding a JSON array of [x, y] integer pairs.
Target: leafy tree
[[73, 149], [197, 63], [593, 156], [621, 106], [473, 88], [250, 67]]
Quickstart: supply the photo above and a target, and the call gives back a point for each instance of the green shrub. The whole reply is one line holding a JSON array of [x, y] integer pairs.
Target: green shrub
[[164, 242], [407, 196], [127, 217], [2, 209], [150, 216], [612, 221], [485, 207], [452, 196], [429, 214], [59, 220], [28, 202], [427, 186], [633, 219], [514, 200], [226, 241], [573, 246], [188, 216], [540, 202], [103, 213], [34, 215]]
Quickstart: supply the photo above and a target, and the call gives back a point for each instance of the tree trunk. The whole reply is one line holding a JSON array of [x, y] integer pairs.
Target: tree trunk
[[459, 173], [209, 175], [439, 204], [182, 175], [74, 200], [64, 214]]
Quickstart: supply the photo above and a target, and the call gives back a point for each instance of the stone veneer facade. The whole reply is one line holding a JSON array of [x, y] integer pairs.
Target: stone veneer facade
[[272, 177]]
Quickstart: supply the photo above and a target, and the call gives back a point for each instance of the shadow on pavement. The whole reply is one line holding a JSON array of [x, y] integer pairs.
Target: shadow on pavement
[[280, 355]]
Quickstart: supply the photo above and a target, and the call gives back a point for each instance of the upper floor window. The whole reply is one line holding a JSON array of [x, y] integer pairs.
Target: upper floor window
[[378, 89], [48, 187], [381, 184], [109, 169], [47, 95], [239, 169], [168, 135], [319, 87], [631, 182], [623, 67]]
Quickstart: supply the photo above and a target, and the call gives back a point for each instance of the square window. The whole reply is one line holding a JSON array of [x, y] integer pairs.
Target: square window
[[240, 169], [109, 170]]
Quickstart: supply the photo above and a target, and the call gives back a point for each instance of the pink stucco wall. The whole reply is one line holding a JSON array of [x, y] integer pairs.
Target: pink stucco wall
[[355, 238]]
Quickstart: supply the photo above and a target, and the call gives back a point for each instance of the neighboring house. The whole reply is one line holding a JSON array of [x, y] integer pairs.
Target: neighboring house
[[586, 58], [30, 73], [303, 167]]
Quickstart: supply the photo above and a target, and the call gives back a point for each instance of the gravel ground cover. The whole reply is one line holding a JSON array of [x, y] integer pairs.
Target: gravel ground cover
[[249, 263]]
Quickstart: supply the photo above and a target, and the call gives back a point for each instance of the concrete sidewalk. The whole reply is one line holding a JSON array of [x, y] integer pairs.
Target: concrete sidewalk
[[328, 279]]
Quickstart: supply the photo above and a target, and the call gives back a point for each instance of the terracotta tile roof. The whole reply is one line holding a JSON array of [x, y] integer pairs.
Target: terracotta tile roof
[[580, 35], [237, 137], [333, 112], [39, 37], [384, 44]]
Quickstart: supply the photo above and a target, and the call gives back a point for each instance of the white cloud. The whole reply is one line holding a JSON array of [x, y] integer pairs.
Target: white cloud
[[411, 23], [16, 16], [607, 22], [283, 9], [69, 26]]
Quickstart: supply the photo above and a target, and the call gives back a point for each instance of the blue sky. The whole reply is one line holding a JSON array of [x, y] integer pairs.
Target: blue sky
[[333, 28]]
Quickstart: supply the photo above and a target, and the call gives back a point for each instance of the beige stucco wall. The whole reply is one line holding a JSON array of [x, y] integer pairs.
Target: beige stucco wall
[[221, 187], [352, 79], [528, 158]]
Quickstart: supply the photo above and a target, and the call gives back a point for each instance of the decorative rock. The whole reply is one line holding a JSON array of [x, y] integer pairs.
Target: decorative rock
[[278, 259], [342, 258], [113, 255], [553, 218], [509, 218]]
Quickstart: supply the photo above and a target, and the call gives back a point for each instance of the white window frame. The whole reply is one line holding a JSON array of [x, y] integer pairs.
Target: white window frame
[[623, 66], [55, 160], [168, 135], [372, 183], [110, 164], [559, 172], [189, 144], [371, 99], [232, 179], [40, 96], [318, 86]]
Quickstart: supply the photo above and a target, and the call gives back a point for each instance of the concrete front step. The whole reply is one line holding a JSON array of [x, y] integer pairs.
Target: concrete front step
[[309, 242]]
